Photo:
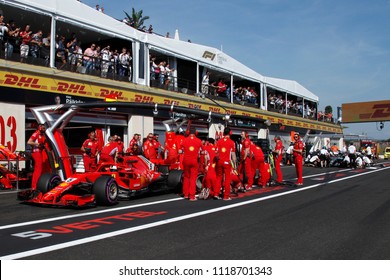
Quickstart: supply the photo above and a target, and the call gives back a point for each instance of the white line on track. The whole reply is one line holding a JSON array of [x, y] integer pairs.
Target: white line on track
[[117, 209], [167, 221]]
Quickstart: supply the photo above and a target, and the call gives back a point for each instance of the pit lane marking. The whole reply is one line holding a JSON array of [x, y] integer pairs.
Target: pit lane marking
[[125, 207], [168, 221]]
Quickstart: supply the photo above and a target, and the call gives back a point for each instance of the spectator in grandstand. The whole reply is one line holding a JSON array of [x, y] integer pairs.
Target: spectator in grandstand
[[11, 39], [240, 95], [161, 76], [89, 54], [25, 35], [72, 52], [35, 44], [61, 51], [221, 90], [230, 91], [150, 29], [106, 56], [205, 83], [124, 63], [45, 50], [98, 8], [168, 76], [154, 70]]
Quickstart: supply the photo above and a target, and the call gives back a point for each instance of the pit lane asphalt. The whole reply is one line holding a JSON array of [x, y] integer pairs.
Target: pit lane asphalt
[[346, 219]]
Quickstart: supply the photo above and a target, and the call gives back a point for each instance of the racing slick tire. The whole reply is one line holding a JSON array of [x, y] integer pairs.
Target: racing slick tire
[[47, 181], [175, 180], [105, 190], [199, 182]]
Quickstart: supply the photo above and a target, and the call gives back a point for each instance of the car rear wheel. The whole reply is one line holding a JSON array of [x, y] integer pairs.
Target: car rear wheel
[[199, 182], [47, 182], [175, 180], [105, 190]]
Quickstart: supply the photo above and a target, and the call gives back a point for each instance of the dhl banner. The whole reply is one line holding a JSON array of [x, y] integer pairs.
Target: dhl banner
[[76, 88], [374, 111]]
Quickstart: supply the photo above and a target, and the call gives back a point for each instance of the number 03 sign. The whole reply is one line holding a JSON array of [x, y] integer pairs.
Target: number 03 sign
[[12, 126]]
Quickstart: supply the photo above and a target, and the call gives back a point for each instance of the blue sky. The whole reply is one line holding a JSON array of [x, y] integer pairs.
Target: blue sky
[[339, 50]]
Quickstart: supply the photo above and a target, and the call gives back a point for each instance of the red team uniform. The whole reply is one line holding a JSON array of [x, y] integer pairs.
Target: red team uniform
[[258, 162], [246, 163], [149, 149], [298, 158], [210, 176], [108, 152], [38, 142], [171, 149], [225, 147], [191, 147], [278, 151], [90, 148]]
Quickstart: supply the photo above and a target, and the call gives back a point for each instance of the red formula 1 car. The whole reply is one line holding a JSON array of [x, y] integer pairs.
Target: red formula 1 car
[[64, 187], [10, 174]]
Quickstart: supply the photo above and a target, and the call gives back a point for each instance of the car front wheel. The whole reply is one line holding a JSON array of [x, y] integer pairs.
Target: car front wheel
[[105, 190]]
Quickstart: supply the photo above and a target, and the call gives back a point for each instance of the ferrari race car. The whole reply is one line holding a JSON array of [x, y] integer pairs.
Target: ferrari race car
[[10, 174], [110, 182], [104, 186]]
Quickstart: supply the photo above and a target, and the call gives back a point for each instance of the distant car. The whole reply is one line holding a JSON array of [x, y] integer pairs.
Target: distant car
[[386, 154]]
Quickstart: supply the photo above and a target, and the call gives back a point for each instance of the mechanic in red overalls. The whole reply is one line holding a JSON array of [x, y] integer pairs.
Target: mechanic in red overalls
[[298, 158], [149, 149], [179, 140], [226, 151], [278, 157], [38, 141], [258, 162], [190, 148], [157, 145], [90, 152], [109, 151], [246, 160], [134, 141], [210, 175], [171, 151]]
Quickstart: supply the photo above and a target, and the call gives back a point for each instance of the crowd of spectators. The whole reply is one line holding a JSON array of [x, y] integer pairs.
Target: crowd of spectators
[[308, 110], [69, 52], [108, 62], [219, 88]]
